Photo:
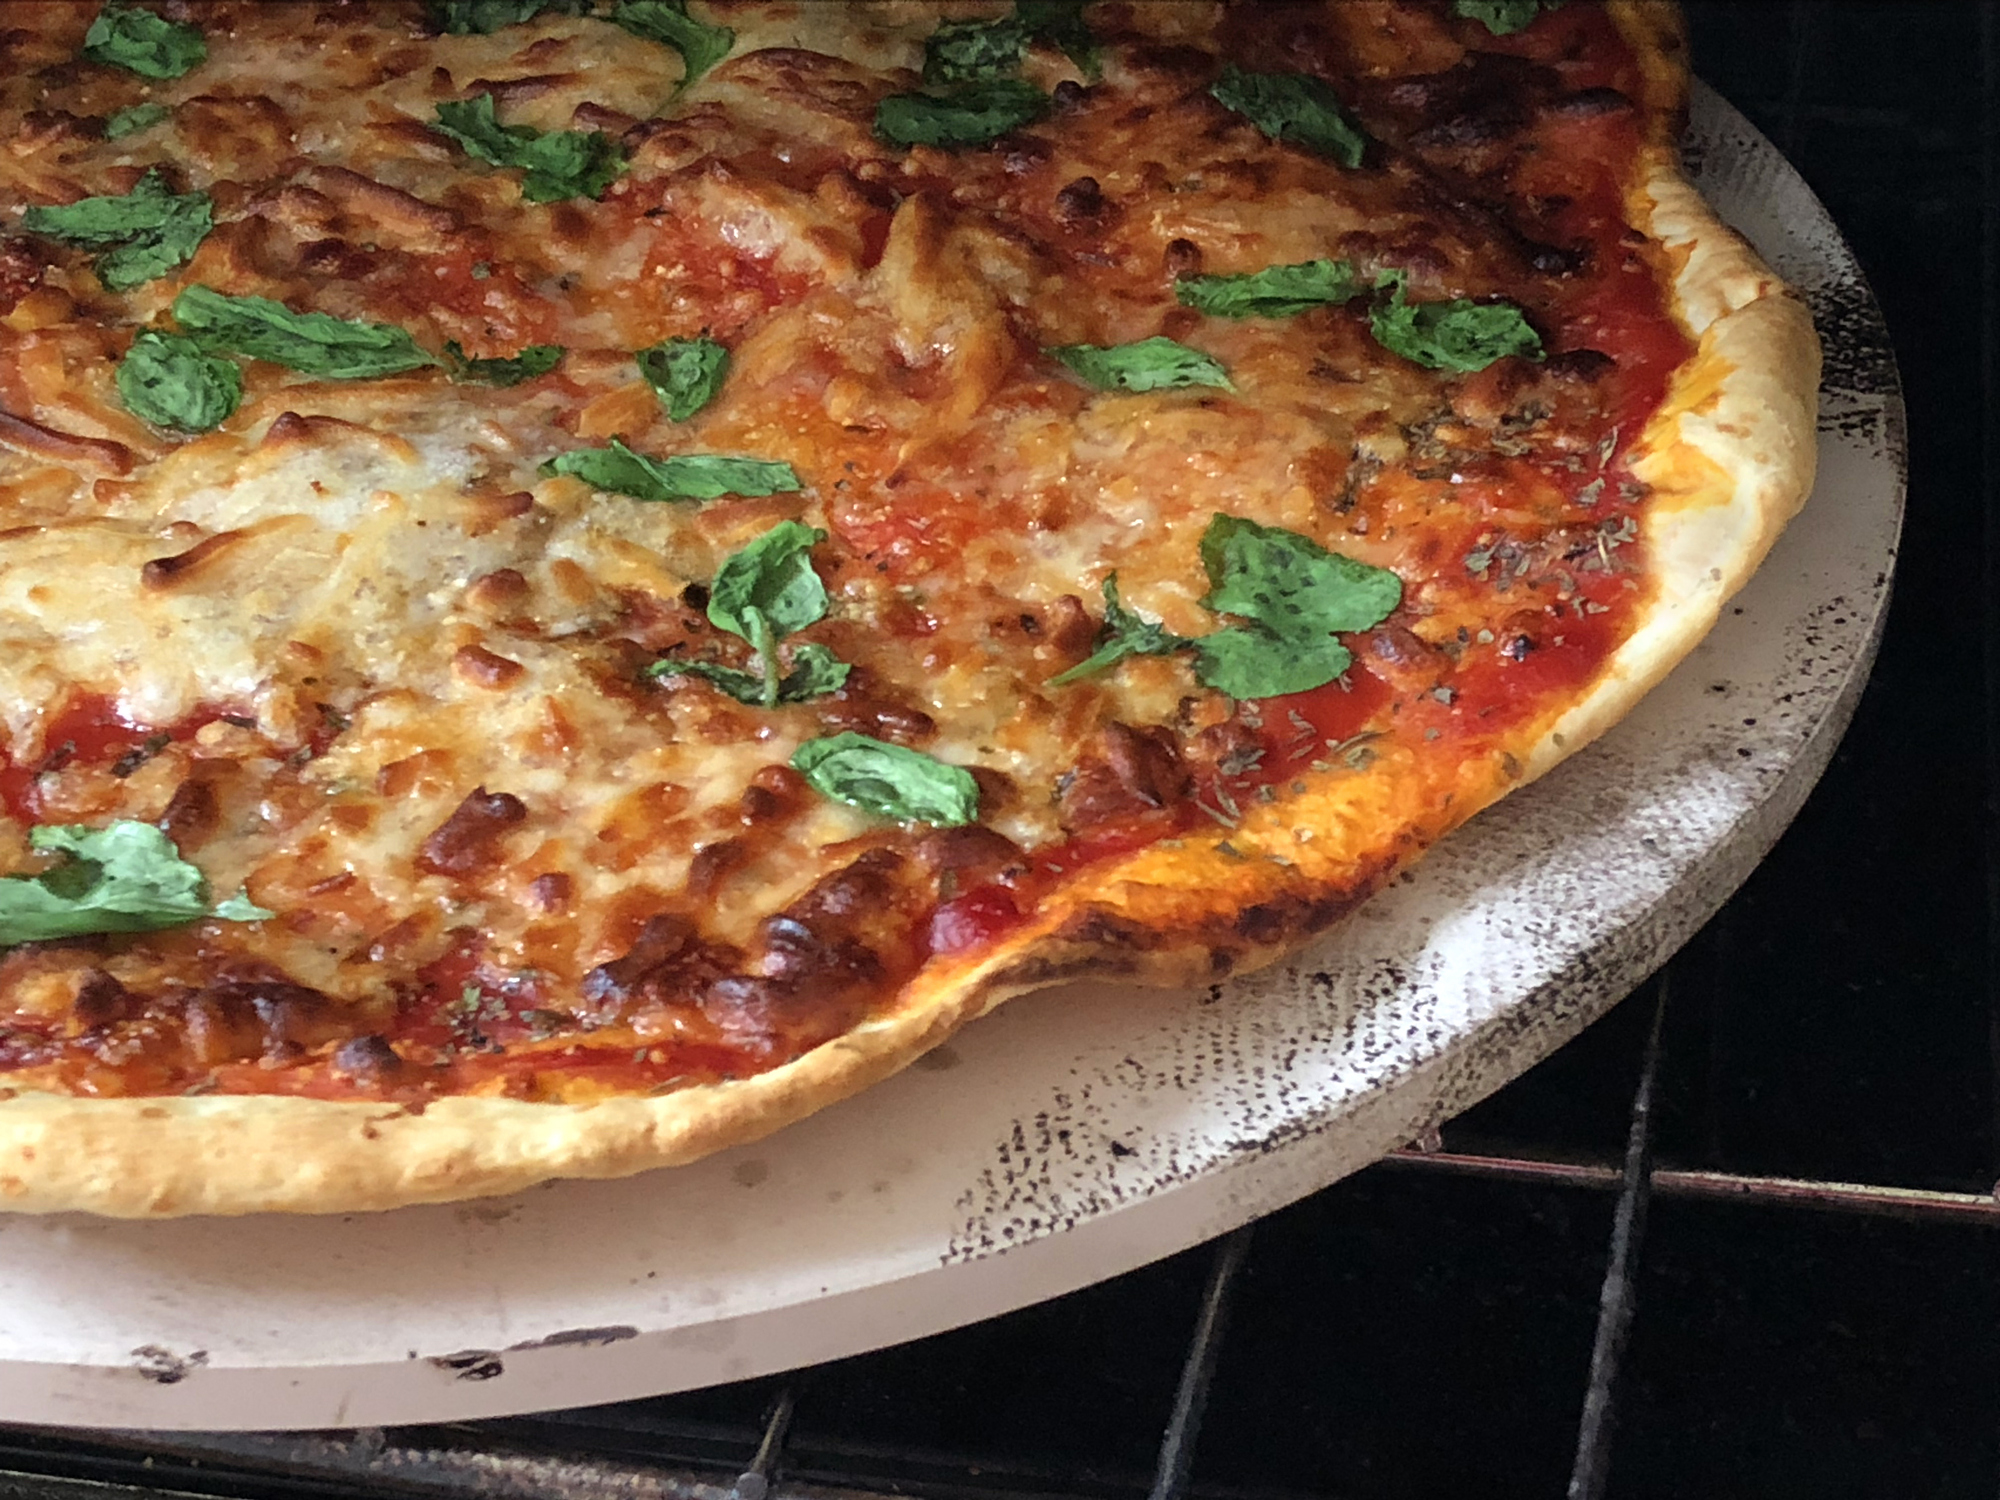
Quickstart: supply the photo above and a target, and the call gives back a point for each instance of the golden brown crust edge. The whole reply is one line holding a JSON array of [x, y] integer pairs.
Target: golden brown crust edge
[[1730, 453]]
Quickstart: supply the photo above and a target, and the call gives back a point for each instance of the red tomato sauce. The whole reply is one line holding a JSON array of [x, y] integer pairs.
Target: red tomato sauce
[[89, 731]]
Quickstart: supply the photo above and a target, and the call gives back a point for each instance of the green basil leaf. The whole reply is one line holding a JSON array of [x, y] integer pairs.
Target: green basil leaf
[[533, 361], [890, 781], [124, 877], [1274, 292], [152, 229], [1060, 24], [700, 45], [979, 51], [1289, 584], [1459, 335], [132, 120], [554, 164], [744, 687], [146, 44], [969, 115], [149, 208], [1254, 663], [617, 470], [772, 577], [968, 51], [1503, 17], [169, 381], [1293, 107], [815, 672], [684, 373], [1154, 364], [312, 343], [1125, 633], [240, 908], [484, 17]]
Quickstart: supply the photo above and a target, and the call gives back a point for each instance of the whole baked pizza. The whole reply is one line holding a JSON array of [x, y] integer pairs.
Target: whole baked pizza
[[583, 578]]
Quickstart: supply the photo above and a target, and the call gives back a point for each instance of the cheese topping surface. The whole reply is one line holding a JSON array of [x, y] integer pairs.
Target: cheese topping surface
[[362, 656]]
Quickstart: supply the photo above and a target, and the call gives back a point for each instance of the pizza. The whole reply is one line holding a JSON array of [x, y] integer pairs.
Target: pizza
[[584, 578]]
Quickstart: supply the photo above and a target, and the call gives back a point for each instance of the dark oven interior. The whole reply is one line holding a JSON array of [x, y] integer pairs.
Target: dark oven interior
[[1737, 1239]]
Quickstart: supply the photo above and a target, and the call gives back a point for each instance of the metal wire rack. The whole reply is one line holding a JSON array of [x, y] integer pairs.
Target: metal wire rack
[[1736, 1240]]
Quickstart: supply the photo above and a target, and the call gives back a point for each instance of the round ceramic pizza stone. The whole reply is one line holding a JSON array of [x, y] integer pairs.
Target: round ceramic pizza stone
[[1075, 1134]]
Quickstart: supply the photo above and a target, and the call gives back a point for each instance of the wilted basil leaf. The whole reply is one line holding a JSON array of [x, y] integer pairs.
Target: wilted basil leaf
[[1060, 24], [700, 45], [1457, 335], [133, 120], [971, 51], [533, 361], [684, 373], [1296, 594], [146, 44], [1290, 584], [964, 51], [762, 593], [124, 877], [772, 579], [169, 381], [686, 476], [1154, 364], [1125, 633], [1293, 107], [1274, 292], [312, 343], [554, 164], [153, 229], [483, 17], [969, 115], [1503, 17], [1254, 663], [744, 687], [240, 908], [890, 781], [815, 672]]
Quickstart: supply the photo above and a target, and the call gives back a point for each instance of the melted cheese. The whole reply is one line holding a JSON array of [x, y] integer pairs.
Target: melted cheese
[[885, 309]]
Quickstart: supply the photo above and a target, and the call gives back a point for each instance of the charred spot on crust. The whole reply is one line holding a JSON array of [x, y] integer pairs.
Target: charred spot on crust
[[1079, 200], [100, 1000], [192, 814], [611, 985], [968, 852], [1580, 364], [813, 967], [366, 1059], [713, 864], [465, 842], [550, 892], [862, 705], [1586, 104], [1181, 257], [1126, 771], [20, 272], [249, 1014], [773, 792]]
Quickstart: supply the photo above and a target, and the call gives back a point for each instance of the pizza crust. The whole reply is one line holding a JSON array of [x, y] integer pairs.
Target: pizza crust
[[1730, 456]]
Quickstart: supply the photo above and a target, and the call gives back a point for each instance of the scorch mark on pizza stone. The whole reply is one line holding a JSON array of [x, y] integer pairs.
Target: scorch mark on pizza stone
[[1289, 1054], [1079, 1156], [164, 1367], [470, 1364]]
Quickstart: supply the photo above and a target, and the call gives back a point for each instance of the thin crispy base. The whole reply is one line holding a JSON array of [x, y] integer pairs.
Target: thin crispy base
[[1730, 456]]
